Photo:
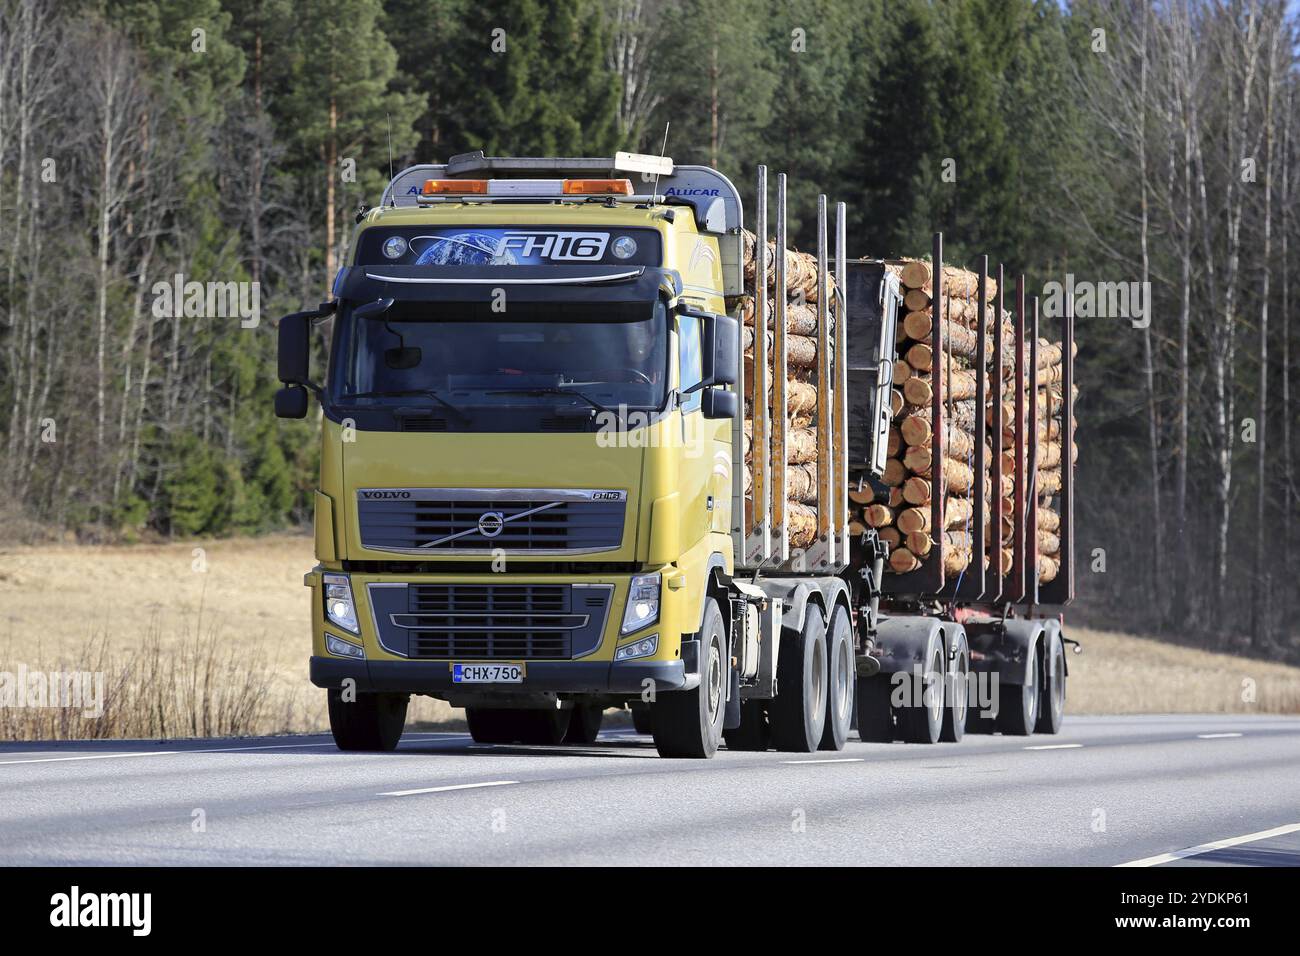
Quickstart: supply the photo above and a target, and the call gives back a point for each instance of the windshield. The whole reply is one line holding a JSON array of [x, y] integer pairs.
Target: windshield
[[438, 353]]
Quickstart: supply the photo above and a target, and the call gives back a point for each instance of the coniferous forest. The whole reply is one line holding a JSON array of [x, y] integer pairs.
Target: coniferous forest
[[1146, 146]]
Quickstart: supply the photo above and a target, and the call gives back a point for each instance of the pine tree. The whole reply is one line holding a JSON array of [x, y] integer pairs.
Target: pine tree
[[535, 80], [339, 107]]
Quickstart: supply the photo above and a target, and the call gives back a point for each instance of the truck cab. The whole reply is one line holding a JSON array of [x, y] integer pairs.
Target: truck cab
[[528, 423]]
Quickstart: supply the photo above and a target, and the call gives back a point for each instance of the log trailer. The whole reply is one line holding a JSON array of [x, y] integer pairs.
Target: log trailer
[[533, 500]]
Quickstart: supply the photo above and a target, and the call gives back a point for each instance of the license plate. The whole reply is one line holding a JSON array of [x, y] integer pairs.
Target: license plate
[[487, 673]]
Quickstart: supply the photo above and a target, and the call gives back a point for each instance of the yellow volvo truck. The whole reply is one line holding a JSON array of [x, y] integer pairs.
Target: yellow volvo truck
[[532, 500]]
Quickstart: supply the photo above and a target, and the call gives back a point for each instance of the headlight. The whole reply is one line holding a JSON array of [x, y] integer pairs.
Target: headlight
[[642, 648], [341, 648], [642, 608], [339, 607]]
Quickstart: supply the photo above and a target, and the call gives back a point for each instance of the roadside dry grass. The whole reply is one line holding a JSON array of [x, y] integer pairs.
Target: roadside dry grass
[[194, 638], [212, 637], [1122, 674]]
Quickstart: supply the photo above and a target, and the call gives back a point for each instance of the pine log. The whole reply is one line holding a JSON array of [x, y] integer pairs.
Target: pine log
[[917, 389], [800, 524], [800, 350], [895, 473], [878, 515], [901, 561], [957, 475], [1048, 520]]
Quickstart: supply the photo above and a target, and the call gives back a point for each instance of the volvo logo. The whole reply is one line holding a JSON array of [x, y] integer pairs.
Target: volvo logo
[[491, 523]]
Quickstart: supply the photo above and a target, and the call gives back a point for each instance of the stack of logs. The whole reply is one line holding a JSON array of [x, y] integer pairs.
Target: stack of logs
[[802, 292], [899, 505]]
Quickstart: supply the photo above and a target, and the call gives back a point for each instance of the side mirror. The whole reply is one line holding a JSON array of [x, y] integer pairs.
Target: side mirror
[[720, 351], [719, 403], [291, 402], [295, 343], [294, 347]]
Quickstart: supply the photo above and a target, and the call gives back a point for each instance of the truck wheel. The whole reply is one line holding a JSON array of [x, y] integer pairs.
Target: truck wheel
[[543, 726], [798, 712], [492, 725], [640, 718], [1018, 709], [371, 722], [922, 721], [688, 723], [875, 718], [1051, 707], [584, 724], [842, 676], [753, 732], [956, 694]]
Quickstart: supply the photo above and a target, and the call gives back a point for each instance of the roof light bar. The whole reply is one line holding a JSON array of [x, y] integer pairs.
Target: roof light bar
[[527, 188], [598, 187]]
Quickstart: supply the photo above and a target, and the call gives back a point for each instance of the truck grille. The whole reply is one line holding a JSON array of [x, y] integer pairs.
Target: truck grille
[[460, 521], [491, 621]]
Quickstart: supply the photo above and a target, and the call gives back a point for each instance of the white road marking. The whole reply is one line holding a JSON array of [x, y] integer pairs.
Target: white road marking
[[1215, 736], [828, 760], [458, 786], [1216, 845], [165, 753], [151, 753], [1055, 747]]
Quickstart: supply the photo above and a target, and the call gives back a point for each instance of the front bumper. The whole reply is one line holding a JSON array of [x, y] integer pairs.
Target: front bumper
[[574, 677]]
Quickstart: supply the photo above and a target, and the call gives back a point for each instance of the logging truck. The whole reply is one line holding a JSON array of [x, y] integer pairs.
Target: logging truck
[[586, 442]]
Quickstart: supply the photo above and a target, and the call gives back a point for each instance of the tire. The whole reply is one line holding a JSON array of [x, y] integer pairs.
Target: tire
[[1051, 705], [956, 695], [921, 722], [371, 722], [875, 717], [797, 714], [514, 725], [688, 723], [584, 724], [488, 726], [641, 718], [1018, 710], [543, 726], [841, 672], [753, 733]]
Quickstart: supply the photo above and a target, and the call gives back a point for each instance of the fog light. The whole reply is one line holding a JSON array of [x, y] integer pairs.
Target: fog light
[[341, 648], [624, 247], [339, 607], [394, 247], [642, 648]]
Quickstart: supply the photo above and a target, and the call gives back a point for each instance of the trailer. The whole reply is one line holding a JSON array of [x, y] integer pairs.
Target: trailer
[[554, 477]]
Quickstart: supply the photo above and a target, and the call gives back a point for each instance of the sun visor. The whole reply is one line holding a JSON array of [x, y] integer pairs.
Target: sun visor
[[635, 288]]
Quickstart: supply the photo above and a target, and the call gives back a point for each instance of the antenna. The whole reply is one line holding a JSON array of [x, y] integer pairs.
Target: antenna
[[392, 199], [663, 151]]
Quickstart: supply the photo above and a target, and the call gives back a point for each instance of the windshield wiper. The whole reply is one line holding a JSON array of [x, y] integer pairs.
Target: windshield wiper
[[423, 392], [552, 390]]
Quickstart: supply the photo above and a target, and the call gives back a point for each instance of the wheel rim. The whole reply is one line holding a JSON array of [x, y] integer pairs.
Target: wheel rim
[[818, 695], [1058, 686], [715, 679], [936, 684], [1031, 688], [841, 688], [959, 690]]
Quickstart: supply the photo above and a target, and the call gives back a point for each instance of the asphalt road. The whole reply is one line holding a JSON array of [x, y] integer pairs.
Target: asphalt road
[[1106, 791]]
